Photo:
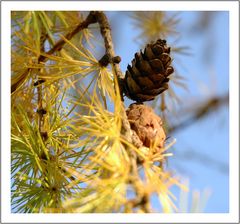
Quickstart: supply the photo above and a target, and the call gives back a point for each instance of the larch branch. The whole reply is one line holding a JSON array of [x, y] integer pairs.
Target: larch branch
[[107, 37], [205, 109], [57, 47], [126, 129]]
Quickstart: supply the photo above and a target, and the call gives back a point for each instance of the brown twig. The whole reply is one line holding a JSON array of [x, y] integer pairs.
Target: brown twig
[[142, 202], [57, 47], [106, 34], [41, 112], [202, 111], [126, 129]]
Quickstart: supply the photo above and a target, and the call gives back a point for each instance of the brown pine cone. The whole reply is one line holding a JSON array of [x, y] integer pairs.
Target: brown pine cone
[[146, 124], [148, 75]]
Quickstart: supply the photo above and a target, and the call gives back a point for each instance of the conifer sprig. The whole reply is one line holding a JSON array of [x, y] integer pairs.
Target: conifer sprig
[[73, 149]]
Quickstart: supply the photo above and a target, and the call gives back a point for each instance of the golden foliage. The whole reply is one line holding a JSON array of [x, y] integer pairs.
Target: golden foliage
[[68, 150]]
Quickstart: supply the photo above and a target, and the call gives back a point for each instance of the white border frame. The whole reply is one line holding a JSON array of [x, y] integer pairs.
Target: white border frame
[[230, 6]]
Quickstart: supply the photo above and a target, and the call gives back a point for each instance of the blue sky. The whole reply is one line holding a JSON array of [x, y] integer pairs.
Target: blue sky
[[201, 153]]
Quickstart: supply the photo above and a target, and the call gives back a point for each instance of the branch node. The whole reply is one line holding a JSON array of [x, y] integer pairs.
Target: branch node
[[44, 135], [105, 60], [41, 111], [39, 82], [116, 59]]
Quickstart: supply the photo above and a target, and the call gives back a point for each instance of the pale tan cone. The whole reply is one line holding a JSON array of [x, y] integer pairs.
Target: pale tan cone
[[147, 125]]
